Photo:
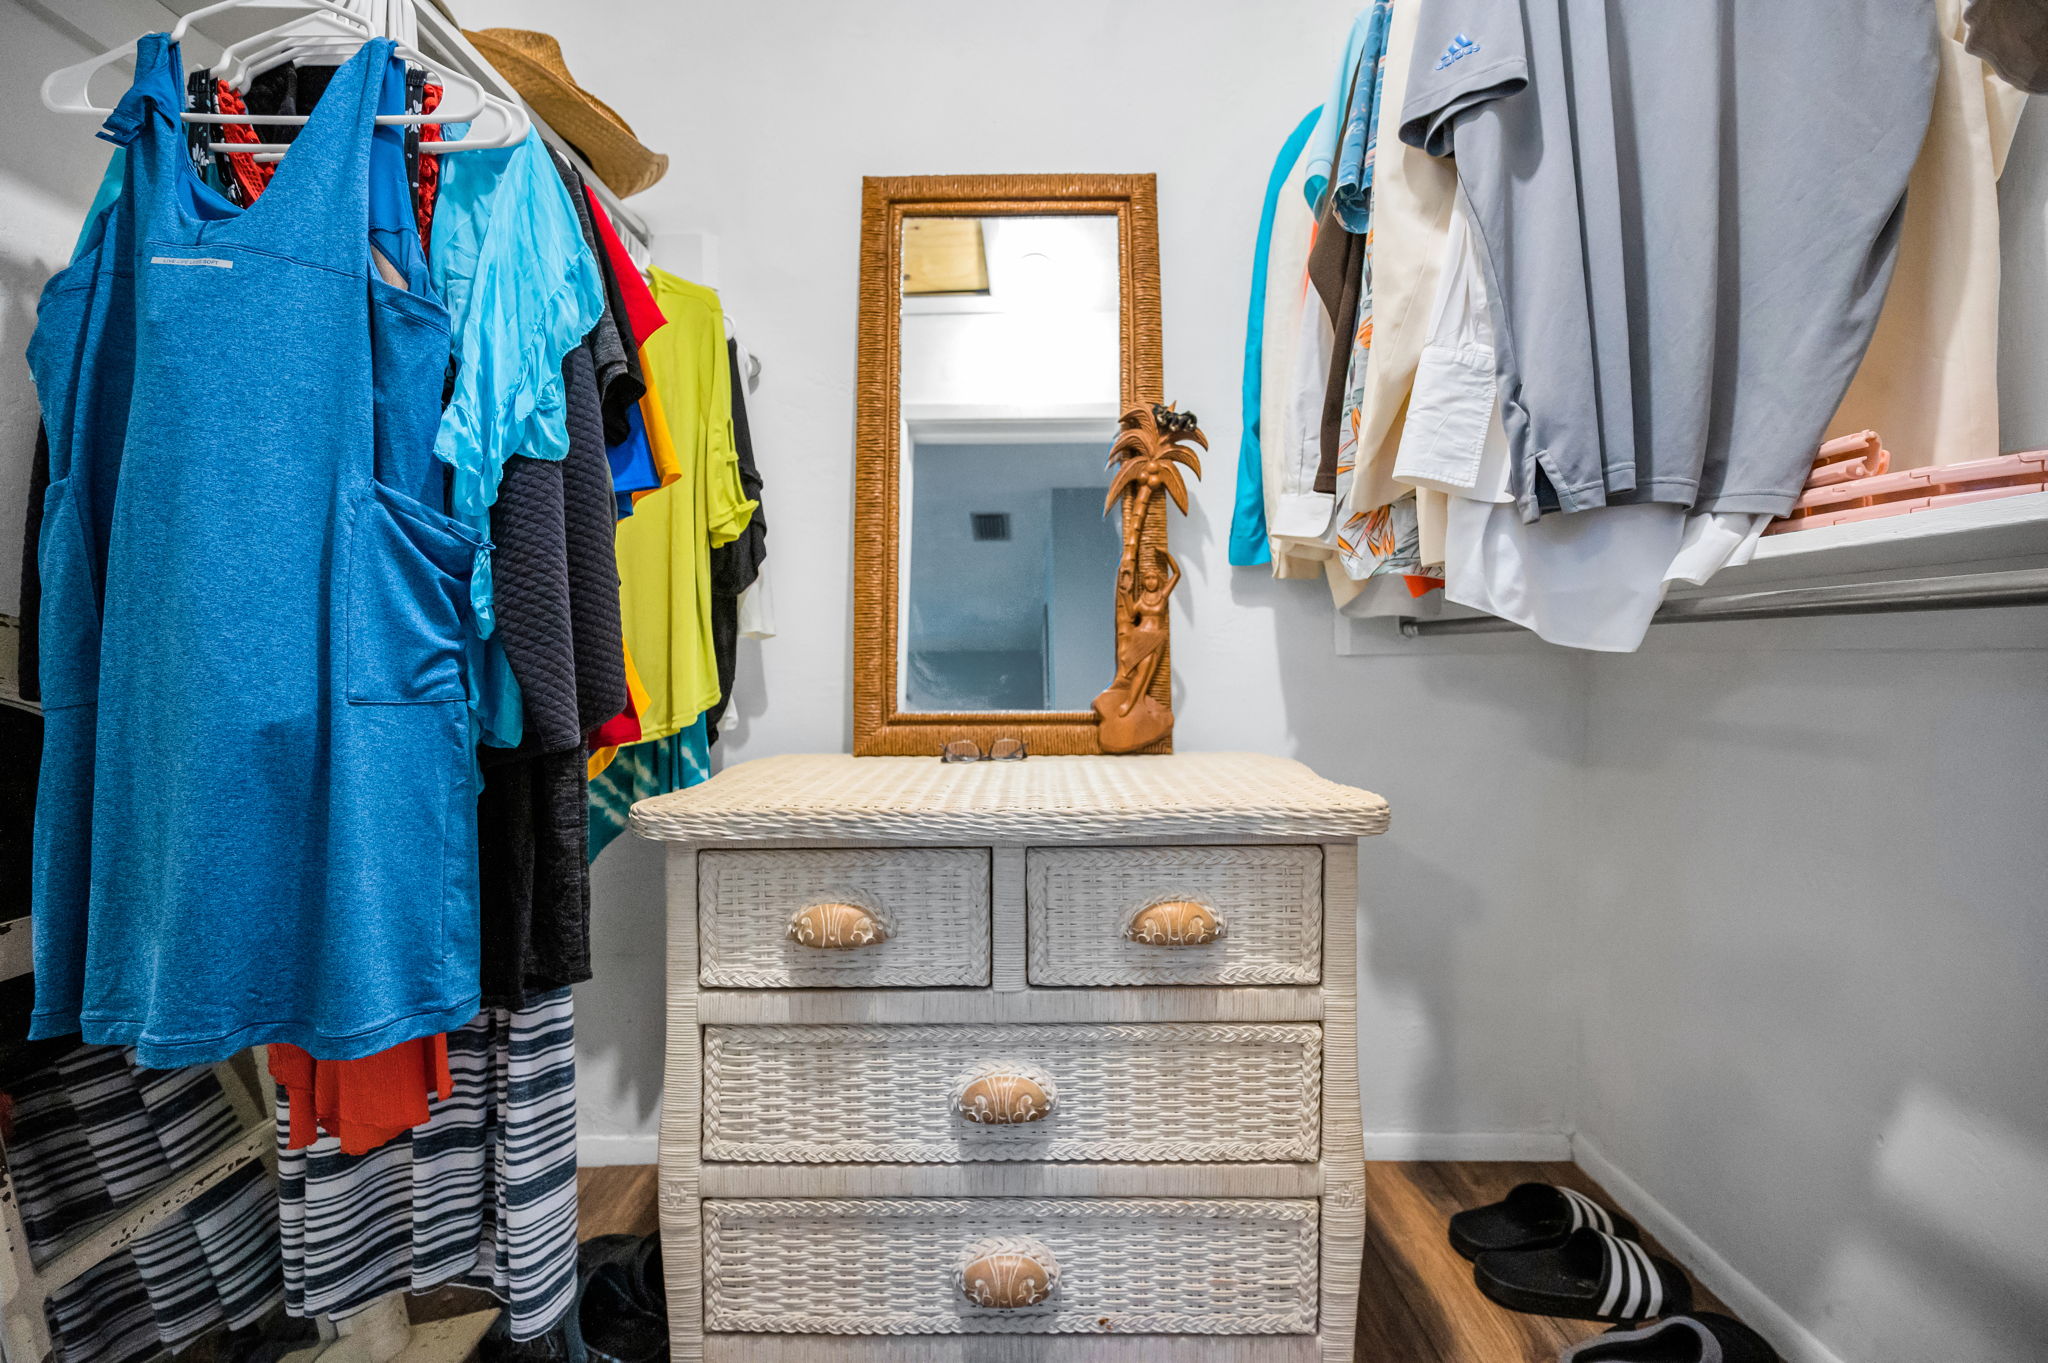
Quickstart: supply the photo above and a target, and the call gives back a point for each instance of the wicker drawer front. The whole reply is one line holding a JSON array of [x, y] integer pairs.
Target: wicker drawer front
[[1117, 915], [891, 1266], [926, 909], [888, 1094]]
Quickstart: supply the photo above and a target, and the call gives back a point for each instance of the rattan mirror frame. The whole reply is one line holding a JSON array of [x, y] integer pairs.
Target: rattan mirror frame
[[880, 728]]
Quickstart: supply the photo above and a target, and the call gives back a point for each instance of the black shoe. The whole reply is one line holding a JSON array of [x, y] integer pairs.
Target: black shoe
[[616, 1328], [556, 1344], [650, 1289], [1703, 1337], [605, 1249], [1533, 1216]]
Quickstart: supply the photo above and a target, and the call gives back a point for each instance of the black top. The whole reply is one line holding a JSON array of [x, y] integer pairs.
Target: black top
[[735, 565]]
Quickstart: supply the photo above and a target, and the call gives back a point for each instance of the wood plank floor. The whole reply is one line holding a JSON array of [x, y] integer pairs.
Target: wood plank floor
[[1417, 1303]]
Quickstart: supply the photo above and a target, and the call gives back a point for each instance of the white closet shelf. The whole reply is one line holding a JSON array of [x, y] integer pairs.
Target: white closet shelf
[[2009, 531], [1982, 537]]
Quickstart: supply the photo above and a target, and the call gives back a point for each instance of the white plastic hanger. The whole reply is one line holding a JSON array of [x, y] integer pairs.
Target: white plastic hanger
[[320, 35], [66, 90], [304, 38], [315, 39], [254, 56]]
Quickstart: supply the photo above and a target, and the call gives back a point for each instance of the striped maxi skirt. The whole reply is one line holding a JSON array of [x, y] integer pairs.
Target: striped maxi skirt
[[483, 1194]]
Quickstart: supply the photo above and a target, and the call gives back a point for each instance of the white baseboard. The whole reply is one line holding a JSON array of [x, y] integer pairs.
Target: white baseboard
[[595, 1151], [1467, 1145], [1793, 1341]]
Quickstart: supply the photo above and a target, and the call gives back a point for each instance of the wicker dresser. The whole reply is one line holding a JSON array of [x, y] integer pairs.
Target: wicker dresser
[[1044, 1060]]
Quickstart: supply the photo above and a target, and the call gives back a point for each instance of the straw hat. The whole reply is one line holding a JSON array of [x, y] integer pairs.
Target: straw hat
[[532, 62]]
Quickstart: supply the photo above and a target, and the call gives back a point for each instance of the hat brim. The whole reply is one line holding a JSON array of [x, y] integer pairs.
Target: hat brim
[[620, 159]]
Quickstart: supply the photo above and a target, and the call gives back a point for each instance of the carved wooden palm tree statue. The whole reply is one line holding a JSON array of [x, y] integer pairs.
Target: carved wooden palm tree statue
[[1151, 445]]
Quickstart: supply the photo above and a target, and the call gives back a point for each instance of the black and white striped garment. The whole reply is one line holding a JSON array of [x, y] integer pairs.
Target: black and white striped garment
[[484, 1193], [213, 1263], [92, 1133]]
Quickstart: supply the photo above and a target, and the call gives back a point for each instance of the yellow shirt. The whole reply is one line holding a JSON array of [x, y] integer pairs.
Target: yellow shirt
[[664, 547]]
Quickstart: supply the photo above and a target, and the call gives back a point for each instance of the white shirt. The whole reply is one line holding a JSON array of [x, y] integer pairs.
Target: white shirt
[[1587, 579]]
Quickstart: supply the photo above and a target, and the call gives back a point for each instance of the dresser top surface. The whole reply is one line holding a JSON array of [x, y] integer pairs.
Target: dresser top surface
[[1211, 796]]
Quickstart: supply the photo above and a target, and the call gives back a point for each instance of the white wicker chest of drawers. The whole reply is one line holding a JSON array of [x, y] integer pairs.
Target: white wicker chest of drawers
[[993, 1062]]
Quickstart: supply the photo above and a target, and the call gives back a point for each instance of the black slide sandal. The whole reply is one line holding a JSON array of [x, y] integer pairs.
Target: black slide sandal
[[1533, 1216], [1591, 1276], [1703, 1337]]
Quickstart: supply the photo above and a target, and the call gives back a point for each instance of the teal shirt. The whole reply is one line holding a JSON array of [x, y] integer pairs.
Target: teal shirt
[[522, 290], [1248, 545]]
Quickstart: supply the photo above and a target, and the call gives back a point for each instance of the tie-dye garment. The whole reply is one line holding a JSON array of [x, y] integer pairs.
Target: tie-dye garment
[[642, 771]]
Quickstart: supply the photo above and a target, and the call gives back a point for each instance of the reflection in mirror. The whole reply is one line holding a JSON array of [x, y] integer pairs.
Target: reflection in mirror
[[1010, 382]]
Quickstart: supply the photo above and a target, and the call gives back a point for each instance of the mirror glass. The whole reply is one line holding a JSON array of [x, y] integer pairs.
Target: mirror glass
[[1009, 382]]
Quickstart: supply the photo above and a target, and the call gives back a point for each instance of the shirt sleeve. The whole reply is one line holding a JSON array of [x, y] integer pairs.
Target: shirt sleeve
[[1467, 53], [728, 508]]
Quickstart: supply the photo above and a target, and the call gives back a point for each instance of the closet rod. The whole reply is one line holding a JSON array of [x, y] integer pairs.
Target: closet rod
[[1963, 591]]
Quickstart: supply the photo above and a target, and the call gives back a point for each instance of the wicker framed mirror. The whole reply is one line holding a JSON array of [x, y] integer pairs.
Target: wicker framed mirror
[[1006, 321]]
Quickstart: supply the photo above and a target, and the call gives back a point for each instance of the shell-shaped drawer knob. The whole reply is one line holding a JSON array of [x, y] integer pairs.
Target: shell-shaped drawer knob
[[1174, 923], [839, 925], [1003, 1094], [1007, 1272]]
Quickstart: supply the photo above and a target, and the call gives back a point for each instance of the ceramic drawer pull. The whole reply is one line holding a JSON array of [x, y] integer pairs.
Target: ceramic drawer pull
[[1004, 1095], [1174, 923], [840, 924], [1007, 1272]]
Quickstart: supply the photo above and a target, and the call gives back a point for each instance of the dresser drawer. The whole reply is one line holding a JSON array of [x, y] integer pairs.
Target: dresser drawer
[[1175, 915], [952, 1095], [851, 919], [901, 1266]]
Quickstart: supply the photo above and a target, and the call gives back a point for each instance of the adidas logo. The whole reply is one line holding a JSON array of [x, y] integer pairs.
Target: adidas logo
[[1461, 47]]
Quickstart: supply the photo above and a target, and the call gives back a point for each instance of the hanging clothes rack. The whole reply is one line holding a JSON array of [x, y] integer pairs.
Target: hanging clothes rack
[[380, 1330], [1962, 591], [437, 37], [323, 27]]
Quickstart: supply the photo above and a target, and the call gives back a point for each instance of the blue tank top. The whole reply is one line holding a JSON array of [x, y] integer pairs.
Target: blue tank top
[[256, 814]]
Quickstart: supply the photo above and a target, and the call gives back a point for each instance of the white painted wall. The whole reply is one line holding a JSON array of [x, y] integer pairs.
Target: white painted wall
[[1814, 943], [1813, 979]]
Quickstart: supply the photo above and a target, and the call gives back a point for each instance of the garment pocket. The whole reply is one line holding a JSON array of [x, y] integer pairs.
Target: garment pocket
[[1449, 410], [408, 590], [68, 612]]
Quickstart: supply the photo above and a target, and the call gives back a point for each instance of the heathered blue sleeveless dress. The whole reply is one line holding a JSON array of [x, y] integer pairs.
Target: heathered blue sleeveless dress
[[256, 816]]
